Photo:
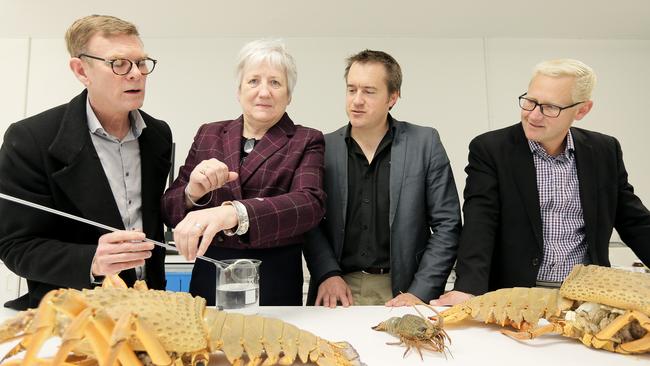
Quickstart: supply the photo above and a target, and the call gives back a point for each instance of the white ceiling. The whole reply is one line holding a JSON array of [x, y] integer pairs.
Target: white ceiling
[[577, 19]]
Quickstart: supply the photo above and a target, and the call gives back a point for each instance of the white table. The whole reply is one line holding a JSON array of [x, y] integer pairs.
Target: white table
[[472, 343]]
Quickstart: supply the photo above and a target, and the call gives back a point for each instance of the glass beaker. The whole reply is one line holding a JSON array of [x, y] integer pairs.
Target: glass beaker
[[238, 284]]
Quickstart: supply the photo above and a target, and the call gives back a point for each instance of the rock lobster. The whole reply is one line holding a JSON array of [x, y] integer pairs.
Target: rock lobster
[[417, 332], [137, 326], [603, 307]]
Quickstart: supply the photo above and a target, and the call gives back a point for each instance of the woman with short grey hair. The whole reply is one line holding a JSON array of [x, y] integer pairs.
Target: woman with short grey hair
[[250, 187]]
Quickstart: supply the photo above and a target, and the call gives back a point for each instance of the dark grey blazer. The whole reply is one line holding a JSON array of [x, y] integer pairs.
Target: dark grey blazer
[[50, 159], [424, 215]]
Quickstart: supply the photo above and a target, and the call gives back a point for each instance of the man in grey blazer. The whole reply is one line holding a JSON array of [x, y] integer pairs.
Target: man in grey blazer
[[393, 218]]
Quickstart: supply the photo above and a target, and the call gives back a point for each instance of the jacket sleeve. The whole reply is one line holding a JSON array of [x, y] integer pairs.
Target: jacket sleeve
[[443, 219], [319, 253], [481, 214], [28, 243], [632, 217]]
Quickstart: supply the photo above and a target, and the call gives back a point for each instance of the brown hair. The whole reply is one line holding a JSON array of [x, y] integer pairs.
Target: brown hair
[[393, 71], [80, 32]]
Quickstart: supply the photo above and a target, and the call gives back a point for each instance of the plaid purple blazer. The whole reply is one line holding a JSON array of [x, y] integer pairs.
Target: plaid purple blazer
[[280, 182]]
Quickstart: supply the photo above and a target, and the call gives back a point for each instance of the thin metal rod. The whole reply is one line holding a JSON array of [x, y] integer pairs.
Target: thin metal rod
[[97, 224]]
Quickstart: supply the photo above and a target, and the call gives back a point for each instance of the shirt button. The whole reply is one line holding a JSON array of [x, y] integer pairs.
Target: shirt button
[[363, 254], [535, 262], [127, 174], [365, 200], [365, 227], [129, 202]]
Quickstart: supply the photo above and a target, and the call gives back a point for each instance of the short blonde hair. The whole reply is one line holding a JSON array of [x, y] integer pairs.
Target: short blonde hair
[[585, 79], [82, 30], [272, 51]]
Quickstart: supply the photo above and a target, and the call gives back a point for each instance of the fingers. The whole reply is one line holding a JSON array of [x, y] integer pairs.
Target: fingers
[[333, 290], [232, 176], [121, 236], [451, 298], [194, 234], [319, 299], [206, 240], [346, 299], [348, 294], [119, 251], [186, 237], [207, 176]]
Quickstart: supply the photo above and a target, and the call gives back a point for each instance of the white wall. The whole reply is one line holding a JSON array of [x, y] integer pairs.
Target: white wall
[[462, 87]]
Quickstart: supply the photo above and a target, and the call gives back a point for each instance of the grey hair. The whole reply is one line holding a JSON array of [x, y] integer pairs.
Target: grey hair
[[272, 51], [584, 76]]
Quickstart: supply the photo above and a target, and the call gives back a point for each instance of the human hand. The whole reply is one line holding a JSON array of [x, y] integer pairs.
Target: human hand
[[118, 251], [451, 298], [332, 290], [202, 223], [207, 176], [403, 299]]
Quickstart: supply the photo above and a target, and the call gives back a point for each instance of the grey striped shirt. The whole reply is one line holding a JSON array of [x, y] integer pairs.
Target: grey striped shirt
[[121, 162]]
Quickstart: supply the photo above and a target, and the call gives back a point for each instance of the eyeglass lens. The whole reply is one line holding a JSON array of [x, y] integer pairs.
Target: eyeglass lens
[[123, 66], [548, 110]]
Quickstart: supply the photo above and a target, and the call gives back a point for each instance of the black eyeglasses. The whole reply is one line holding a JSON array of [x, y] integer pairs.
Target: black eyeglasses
[[122, 66], [549, 110]]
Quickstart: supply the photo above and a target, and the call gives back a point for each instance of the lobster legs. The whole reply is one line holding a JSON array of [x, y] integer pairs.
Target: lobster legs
[[602, 340]]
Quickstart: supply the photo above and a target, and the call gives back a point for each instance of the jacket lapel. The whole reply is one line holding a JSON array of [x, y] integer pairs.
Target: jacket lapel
[[585, 164], [232, 154], [274, 139], [154, 165], [82, 177], [397, 163], [525, 175], [341, 167]]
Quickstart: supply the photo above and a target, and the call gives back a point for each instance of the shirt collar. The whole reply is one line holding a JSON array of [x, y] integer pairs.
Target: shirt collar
[[95, 127], [391, 128], [569, 149]]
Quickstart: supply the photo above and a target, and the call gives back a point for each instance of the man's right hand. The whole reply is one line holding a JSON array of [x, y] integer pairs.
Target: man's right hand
[[451, 298], [332, 290], [120, 250]]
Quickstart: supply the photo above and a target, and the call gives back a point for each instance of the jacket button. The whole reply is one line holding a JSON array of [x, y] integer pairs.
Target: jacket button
[[535, 262], [220, 238]]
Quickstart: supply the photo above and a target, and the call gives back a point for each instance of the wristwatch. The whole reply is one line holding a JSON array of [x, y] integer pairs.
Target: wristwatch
[[242, 218]]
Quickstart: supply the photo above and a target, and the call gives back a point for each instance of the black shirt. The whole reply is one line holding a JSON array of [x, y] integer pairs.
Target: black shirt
[[367, 234]]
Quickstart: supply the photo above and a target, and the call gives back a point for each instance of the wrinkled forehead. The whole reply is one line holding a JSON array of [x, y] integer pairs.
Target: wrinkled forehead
[[116, 45], [552, 89], [264, 64]]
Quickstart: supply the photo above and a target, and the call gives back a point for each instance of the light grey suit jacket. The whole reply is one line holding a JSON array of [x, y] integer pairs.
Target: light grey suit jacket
[[424, 215]]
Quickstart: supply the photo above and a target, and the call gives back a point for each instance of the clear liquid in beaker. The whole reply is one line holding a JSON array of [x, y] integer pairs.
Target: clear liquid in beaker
[[238, 295]]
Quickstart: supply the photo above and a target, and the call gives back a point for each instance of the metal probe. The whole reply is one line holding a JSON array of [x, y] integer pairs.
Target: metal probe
[[99, 225]]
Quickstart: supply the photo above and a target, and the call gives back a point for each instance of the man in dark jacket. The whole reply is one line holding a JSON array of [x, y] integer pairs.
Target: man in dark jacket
[[98, 157], [542, 196]]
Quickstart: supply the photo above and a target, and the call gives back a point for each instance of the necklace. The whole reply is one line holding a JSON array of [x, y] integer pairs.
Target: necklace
[[249, 145]]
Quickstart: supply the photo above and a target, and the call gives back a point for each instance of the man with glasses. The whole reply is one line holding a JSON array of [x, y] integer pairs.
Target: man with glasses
[[542, 196], [98, 157]]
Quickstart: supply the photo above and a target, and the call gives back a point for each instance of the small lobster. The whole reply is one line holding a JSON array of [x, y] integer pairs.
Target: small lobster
[[136, 326], [416, 332], [603, 307]]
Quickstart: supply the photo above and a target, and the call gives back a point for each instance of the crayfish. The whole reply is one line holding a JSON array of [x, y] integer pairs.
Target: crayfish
[[602, 307], [417, 332], [136, 326]]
